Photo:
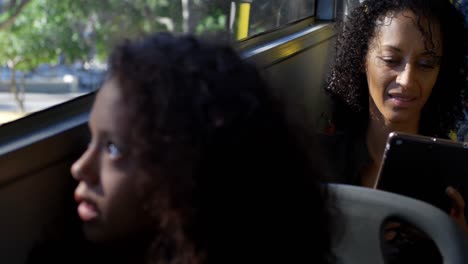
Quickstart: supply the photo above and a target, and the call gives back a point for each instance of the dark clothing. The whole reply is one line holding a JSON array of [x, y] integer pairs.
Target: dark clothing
[[347, 155], [80, 252]]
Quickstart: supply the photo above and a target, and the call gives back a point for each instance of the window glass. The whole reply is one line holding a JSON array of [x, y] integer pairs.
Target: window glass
[[54, 50], [269, 14]]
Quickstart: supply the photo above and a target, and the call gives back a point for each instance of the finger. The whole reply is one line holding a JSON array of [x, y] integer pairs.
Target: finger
[[457, 198], [457, 212]]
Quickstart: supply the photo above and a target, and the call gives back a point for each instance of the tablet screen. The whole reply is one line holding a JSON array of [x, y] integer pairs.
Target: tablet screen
[[423, 167]]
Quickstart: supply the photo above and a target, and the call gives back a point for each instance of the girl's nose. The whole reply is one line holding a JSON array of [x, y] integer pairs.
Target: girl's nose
[[85, 168]]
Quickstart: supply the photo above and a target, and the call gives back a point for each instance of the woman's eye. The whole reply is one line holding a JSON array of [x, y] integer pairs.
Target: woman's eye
[[113, 150], [390, 61], [427, 65]]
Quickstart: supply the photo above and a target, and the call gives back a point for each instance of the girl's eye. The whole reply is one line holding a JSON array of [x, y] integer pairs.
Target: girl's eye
[[113, 150]]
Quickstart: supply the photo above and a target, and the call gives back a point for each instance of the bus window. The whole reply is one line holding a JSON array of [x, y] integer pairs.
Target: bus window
[[257, 16], [53, 51]]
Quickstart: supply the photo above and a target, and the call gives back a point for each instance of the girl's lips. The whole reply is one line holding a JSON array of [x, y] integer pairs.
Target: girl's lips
[[87, 211]]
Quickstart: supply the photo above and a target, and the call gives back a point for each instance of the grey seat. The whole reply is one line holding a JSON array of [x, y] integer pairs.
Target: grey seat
[[364, 210]]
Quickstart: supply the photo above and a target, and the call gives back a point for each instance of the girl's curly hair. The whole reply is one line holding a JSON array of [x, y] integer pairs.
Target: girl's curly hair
[[225, 180], [347, 83]]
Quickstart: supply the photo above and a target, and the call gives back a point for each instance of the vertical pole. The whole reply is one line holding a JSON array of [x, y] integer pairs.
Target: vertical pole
[[232, 18], [185, 16], [243, 19]]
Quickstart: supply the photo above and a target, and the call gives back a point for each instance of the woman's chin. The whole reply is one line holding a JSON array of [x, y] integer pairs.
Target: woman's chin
[[400, 119]]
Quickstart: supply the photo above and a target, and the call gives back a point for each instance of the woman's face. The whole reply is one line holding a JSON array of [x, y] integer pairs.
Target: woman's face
[[400, 69], [107, 201]]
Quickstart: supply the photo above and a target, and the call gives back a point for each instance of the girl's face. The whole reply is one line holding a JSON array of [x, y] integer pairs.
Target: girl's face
[[400, 69], [107, 201]]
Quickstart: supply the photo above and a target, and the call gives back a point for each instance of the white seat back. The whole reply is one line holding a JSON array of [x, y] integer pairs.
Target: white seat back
[[365, 210]]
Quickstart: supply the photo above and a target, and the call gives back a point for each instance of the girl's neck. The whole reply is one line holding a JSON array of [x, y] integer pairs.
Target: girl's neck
[[121, 252]]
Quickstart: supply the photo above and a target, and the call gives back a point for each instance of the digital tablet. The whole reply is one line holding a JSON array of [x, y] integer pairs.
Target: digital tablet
[[423, 167]]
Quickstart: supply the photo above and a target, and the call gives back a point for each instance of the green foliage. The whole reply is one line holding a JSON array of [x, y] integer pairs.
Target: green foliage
[[41, 32], [216, 21], [84, 29], [34, 32]]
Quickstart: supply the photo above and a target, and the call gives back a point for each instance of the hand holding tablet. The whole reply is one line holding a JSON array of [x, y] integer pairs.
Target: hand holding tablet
[[423, 167]]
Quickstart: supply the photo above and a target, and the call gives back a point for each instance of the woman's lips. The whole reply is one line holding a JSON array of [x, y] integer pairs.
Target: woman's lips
[[87, 211], [402, 100]]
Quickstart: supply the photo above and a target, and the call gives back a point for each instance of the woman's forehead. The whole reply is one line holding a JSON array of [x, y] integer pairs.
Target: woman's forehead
[[405, 28]]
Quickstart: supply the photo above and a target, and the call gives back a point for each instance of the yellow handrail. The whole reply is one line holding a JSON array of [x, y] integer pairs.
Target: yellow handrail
[[243, 19]]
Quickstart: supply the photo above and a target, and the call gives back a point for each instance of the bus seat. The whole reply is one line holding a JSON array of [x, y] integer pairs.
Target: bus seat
[[364, 210]]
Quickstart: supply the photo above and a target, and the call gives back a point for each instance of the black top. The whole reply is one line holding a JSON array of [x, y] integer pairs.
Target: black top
[[346, 155]]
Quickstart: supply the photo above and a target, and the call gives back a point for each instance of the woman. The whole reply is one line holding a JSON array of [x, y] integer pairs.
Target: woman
[[400, 66]]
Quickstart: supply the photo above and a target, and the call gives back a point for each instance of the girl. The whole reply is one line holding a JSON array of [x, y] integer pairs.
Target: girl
[[190, 161]]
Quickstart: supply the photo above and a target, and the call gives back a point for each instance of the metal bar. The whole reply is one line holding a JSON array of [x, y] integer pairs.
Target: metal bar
[[243, 19]]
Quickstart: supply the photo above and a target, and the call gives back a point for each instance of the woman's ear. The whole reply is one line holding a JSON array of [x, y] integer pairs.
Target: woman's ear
[[363, 67]]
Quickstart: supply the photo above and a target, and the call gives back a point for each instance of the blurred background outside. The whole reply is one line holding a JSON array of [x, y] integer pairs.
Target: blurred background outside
[[54, 50]]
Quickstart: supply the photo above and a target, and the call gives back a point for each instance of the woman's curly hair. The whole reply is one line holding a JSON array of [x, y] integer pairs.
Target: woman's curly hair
[[347, 83], [226, 181]]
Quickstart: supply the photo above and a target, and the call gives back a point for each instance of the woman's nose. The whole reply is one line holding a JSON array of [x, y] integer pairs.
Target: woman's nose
[[85, 168], [406, 77]]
